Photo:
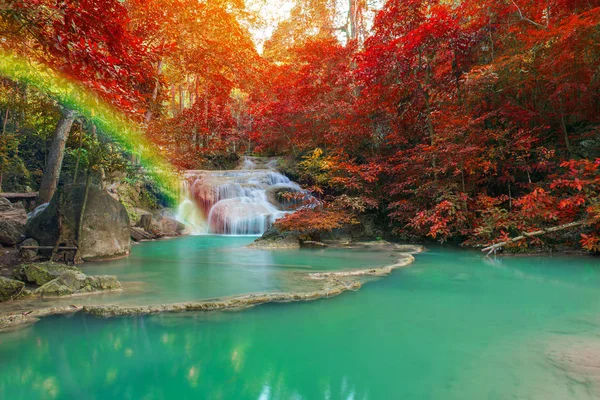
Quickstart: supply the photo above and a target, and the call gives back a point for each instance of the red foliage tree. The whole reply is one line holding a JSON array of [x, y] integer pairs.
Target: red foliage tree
[[470, 111]]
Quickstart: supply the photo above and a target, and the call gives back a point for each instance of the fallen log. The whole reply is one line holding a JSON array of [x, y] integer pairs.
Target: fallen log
[[524, 235], [47, 247], [312, 243], [19, 196]]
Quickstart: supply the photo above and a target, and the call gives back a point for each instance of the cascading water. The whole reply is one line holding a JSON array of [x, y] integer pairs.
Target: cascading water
[[236, 202]]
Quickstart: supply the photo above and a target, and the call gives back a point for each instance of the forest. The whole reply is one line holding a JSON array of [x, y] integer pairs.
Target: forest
[[299, 199], [470, 121]]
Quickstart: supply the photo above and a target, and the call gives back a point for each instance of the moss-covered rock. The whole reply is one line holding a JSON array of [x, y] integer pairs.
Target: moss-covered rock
[[54, 288], [274, 239], [41, 273], [103, 282], [9, 288], [29, 254], [73, 282]]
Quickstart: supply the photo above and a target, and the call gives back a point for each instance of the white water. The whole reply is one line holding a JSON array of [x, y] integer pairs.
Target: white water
[[234, 202]]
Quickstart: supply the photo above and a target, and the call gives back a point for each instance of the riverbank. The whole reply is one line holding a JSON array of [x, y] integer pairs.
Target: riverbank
[[304, 286]]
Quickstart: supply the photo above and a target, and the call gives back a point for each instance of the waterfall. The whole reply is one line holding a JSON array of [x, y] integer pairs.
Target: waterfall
[[236, 202]]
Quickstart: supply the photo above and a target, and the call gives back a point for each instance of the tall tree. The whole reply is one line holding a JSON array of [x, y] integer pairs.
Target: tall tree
[[88, 41], [211, 57]]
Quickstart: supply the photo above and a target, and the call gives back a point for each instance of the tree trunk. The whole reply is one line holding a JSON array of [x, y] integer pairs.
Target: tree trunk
[[206, 107], [181, 98], [78, 157], [5, 121], [55, 157], [77, 259], [59, 239], [563, 127], [152, 105], [3, 132], [430, 128], [173, 102], [351, 31], [100, 167]]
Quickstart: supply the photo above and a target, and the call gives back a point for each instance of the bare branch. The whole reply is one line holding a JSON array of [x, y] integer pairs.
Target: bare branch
[[524, 18], [524, 235]]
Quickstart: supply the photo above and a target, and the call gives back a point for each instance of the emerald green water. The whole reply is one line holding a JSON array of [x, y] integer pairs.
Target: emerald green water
[[452, 326], [193, 268]]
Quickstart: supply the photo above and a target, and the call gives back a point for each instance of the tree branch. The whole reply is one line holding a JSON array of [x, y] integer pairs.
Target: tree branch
[[524, 18], [524, 235]]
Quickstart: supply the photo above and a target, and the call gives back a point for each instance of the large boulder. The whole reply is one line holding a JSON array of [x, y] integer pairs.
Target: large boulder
[[39, 209], [41, 273], [169, 226], [73, 282], [155, 226], [12, 223], [145, 229], [9, 289], [29, 254], [12, 231], [139, 234], [145, 222], [105, 232], [5, 204]]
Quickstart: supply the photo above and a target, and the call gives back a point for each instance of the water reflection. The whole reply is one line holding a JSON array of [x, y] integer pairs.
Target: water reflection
[[157, 357], [451, 327]]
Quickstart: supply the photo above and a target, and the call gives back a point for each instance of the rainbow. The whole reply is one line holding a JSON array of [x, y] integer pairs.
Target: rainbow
[[107, 119]]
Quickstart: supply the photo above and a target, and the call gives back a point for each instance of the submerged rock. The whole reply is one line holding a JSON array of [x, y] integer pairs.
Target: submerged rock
[[403, 261], [73, 282], [41, 273], [9, 288], [105, 232], [331, 288], [579, 360]]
